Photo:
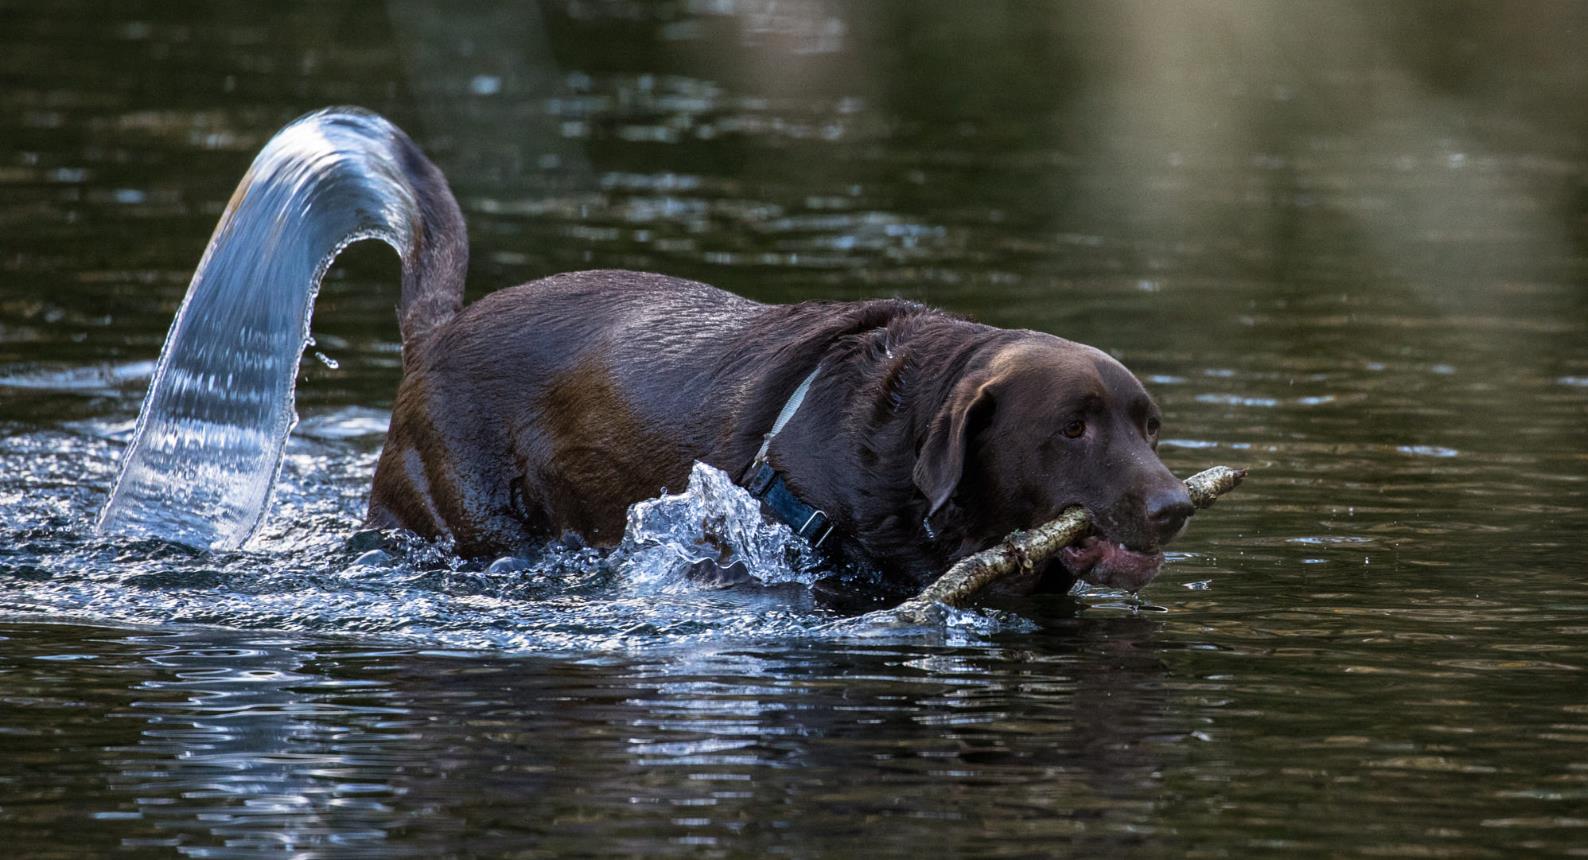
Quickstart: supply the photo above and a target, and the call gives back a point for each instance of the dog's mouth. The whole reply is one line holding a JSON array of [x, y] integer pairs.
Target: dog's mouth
[[1101, 561]]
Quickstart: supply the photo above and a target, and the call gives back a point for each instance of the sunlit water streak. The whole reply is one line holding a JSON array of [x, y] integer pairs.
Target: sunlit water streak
[[203, 460]]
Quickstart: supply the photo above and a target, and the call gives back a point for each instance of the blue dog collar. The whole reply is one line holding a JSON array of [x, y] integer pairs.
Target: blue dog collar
[[768, 485]]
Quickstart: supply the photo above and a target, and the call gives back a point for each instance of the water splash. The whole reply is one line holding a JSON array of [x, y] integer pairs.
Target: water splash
[[208, 444], [212, 440], [713, 520], [308, 571]]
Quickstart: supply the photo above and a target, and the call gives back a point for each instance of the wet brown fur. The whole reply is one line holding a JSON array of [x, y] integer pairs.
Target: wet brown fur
[[549, 408]]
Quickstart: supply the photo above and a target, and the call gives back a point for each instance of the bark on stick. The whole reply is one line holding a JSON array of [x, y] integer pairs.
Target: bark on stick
[[1022, 551]]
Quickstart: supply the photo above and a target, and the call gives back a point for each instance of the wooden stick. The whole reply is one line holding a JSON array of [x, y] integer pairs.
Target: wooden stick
[[1022, 551]]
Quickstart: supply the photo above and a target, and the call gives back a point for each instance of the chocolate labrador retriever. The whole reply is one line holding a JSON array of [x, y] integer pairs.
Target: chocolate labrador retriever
[[549, 408], [906, 438]]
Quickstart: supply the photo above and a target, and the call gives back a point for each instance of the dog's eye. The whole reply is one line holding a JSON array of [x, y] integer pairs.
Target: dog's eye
[[1152, 426], [1074, 429]]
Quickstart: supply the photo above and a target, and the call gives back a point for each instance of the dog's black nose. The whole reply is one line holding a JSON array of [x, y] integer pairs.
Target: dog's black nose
[[1167, 510]]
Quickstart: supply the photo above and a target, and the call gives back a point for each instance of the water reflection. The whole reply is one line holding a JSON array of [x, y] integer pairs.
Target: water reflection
[[245, 751], [1343, 243], [250, 744]]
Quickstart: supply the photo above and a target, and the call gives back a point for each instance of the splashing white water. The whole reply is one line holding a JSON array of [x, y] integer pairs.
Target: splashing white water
[[308, 571], [203, 461], [713, 520], [205, 455]]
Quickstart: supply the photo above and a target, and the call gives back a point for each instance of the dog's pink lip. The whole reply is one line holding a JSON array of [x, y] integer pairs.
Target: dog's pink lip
[[1101, 561]]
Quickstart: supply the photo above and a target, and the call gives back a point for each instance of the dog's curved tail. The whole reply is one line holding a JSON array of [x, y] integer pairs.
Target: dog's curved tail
[[208, 443]]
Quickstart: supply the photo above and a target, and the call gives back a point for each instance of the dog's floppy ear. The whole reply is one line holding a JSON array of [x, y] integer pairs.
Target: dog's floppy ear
[[940, 464]]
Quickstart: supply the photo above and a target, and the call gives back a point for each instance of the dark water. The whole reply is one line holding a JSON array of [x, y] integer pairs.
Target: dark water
[[1345, 244]]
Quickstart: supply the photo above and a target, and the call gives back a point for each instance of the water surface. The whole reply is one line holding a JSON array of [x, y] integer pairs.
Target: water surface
[[1344, 245]]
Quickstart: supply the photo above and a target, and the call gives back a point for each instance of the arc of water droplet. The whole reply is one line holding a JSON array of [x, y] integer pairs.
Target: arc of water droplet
[[208, 444]]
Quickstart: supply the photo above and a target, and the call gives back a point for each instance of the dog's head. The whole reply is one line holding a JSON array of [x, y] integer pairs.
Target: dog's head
[[1035, 425]]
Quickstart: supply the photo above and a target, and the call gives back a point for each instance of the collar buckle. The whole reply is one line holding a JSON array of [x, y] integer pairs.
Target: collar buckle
[[817, 528], [811, 524]]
